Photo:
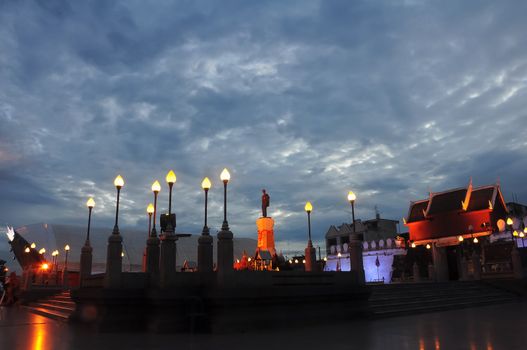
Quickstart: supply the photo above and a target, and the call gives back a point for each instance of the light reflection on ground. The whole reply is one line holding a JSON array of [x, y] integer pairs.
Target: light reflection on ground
[[488, 328]]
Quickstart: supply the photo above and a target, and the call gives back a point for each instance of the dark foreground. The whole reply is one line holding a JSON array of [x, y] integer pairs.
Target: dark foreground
[[492, 327]]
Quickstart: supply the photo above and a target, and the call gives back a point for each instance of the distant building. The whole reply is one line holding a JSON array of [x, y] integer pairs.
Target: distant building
[[380, 245]]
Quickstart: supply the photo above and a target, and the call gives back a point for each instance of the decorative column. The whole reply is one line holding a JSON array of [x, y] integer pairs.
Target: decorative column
[[417, 275], [167, 265], [225, 236], [440, 263], [357, 265], [87, 250], [114, 259], [205, 260]]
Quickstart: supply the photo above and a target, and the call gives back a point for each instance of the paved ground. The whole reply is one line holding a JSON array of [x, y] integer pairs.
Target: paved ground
[[488, 328]]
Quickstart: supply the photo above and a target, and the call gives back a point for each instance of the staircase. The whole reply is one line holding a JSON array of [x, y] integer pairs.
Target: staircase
[[58, 307], [403, 299]]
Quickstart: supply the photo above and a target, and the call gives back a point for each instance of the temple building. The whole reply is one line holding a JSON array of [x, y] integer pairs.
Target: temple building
[[461, 226]]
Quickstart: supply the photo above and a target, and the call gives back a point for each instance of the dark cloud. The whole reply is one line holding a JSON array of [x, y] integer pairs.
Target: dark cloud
[[307, 99]]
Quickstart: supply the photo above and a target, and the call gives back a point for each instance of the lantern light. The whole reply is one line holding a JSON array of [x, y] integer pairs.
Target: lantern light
[[509, 221], [351, 196], [515, 233], [460, 238], [156, 187], [150, 208], [309, 207], [476, 240], [42, 251], [119, 181], [67, 247], [428, 246], [27, 250], [296, 261], [304, 261], [45, 266], [522, 234], [413, 245], [171, 177], [206, 184], [225, 176], [33, 245], [90, 203]]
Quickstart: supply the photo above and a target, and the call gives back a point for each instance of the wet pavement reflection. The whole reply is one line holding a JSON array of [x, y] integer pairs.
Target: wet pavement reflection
[[487, 328]]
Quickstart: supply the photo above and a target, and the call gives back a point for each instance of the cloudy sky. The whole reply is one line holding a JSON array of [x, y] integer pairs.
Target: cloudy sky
[[307, 99]]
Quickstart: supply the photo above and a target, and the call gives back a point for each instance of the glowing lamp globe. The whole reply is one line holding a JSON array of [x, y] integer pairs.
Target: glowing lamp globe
[[525, 229], [90, 203], [501, 225], [42, 251], [45, 266], [515, 233], [33, 245], [67, 247], [150, 209], [351, 196], [460, 238], [206, 184], [118, 182], [171, 177], [27, 250], [413, 245], [509, 221], [225, 176], [476, 240], [308, 207], [522, 234], [428, 246], [156, 187]]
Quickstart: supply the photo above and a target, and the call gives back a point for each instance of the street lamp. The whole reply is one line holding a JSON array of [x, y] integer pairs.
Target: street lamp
[[309, 252], [118, 183], [33, 245], [27, 250], [156, 187], [67, 249], [90, 204], [309, 208], [225, 176], [351, 198], [171, 180], [150, 210], [206, 185]]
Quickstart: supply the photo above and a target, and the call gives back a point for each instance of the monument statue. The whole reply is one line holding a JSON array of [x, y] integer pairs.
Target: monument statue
[[265, 203]]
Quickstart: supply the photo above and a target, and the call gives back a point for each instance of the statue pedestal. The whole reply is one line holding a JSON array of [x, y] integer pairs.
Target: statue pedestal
[[266, 235]]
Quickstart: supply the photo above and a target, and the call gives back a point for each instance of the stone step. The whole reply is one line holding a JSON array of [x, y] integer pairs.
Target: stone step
[[438, 300], [49, 306], [56, 315], [387, 298], [390, 312], [65, 303]]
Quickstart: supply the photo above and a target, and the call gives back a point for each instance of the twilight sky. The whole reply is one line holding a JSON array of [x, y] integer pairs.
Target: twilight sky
[[307, 99]]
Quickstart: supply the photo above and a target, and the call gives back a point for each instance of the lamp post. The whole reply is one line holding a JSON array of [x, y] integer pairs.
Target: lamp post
[[310, 252], [156, 187], [355, 245], [225, 245], [225, 176], [205, 240], [515, 254], [171, 180], [87, 250], [351, 199], [114, 261], [167, 261], [67, 249], [149, 210], [152, 242]]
